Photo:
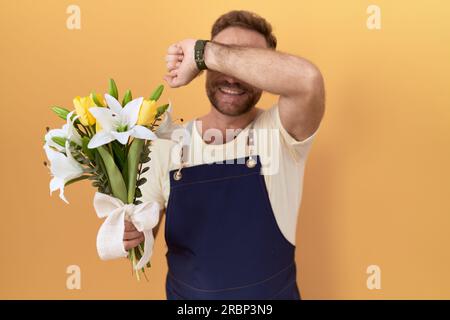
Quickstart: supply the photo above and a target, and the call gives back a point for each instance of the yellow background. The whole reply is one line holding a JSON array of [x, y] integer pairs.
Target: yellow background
[[376, 183]]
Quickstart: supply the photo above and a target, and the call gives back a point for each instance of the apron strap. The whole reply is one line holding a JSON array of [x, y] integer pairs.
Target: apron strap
[[251, 161], [184, 153]]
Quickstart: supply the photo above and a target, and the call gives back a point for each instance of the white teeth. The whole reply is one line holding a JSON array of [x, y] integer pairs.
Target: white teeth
[[230, 91]]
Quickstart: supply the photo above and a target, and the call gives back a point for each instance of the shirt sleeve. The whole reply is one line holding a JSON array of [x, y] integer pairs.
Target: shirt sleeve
[[299, 149]]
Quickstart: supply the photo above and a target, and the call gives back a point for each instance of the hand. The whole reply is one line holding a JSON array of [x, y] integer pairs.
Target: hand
[[131, 237], [181, 64]]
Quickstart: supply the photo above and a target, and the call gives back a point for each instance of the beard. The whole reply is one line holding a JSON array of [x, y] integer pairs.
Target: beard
[[231, 99]]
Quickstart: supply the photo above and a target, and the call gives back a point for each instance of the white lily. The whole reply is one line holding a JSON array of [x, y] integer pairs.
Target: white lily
[[63, 168], [167, 126], [67, 131], [118, 123]]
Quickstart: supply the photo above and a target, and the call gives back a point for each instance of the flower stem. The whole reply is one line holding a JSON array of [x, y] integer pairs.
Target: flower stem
[[76, 179]]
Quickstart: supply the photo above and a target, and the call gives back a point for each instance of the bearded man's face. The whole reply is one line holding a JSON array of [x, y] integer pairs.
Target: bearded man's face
[[229, 95]]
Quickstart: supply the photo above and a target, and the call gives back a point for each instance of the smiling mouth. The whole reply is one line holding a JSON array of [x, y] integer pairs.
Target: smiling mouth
[[233, 92]]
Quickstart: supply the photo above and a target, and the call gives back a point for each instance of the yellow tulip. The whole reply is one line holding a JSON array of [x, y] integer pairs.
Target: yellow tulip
[[147, 113], [82, 105]]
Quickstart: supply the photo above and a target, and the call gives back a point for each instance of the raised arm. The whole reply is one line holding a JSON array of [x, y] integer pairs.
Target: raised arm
[[297, 81]]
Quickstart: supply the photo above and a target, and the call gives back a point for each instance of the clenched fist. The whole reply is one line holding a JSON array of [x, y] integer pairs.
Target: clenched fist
[[181, 64]]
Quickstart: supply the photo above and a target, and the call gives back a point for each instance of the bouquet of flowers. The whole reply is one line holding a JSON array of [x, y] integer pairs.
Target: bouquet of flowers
[[108, 142]]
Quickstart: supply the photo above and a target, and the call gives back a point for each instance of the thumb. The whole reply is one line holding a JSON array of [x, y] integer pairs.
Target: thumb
[[172, 80]]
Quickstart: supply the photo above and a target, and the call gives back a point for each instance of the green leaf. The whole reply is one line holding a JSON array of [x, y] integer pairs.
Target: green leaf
[[119, 154], [141, 181], [138, 193], [145, 159], [160, 110], [125, 174], [60, 140], [113, 89], [61, 112], [157, 93], [132, 166], [146, 151], [127, 97], [115, 178]]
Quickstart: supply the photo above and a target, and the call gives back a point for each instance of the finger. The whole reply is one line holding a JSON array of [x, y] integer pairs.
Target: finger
[[174, 57], [173, 73], [131, 235], [174, 49], [172, 65], [129, 226], [132, 243]]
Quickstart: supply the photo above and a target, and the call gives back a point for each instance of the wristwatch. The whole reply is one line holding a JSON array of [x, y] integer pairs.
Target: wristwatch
[[199, 51]]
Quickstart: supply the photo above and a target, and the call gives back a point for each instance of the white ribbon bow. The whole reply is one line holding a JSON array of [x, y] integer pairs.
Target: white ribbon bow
[[144, 217]]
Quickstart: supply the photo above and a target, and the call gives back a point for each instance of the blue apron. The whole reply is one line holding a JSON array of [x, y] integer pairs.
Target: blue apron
[[222, 237]]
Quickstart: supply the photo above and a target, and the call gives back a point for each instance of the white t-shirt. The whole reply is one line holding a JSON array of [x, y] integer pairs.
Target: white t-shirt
[[282, 157]]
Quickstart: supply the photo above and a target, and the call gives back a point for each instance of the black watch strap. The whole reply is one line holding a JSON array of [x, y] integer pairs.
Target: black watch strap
[[199, 54]]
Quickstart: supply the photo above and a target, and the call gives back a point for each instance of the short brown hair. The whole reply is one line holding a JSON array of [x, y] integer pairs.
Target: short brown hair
[[248, 20]]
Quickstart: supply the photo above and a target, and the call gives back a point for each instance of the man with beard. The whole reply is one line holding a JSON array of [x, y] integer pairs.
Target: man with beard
[[231, 219]]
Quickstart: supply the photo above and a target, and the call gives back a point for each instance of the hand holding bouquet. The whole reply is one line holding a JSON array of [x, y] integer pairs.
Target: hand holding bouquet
[[108, 142]]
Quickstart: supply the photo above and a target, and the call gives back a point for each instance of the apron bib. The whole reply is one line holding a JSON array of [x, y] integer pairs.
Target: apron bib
[[222, 237]]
